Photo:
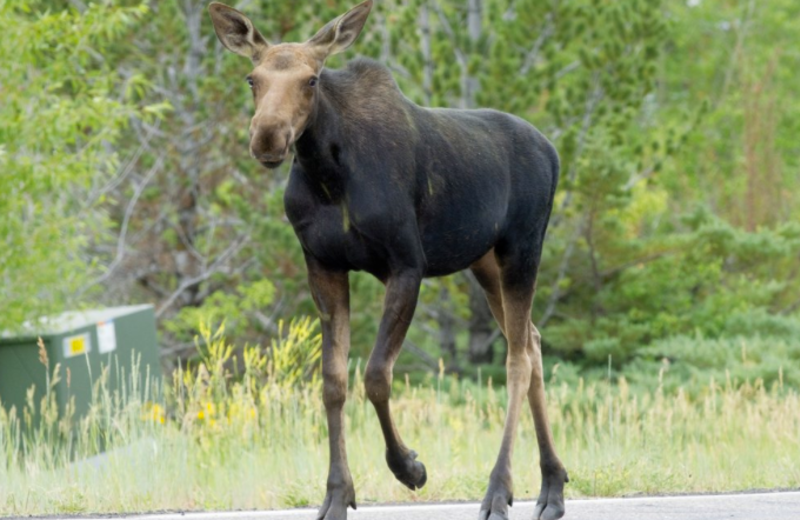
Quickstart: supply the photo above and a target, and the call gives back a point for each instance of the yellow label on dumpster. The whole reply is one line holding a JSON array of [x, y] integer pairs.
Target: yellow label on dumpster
[[76, 345]]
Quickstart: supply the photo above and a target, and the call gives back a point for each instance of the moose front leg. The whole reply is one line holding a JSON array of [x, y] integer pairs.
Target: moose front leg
[[400, 301], [332, 296]]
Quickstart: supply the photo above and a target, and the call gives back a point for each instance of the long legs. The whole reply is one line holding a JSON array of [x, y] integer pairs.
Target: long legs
[[402, 291], [510, 302], [510, 306], [550, 504], [332, 297]]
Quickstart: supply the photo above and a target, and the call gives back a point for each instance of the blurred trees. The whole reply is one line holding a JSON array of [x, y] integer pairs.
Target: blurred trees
[[675, 218], [63, 108]]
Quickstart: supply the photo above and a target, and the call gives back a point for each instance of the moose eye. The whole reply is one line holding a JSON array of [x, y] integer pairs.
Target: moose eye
[[313, 82], [249, 80]]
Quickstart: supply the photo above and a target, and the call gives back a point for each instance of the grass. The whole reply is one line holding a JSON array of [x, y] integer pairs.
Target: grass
[[259, 440]]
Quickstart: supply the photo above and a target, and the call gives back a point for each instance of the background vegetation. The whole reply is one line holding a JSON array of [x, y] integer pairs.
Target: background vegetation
[[255, 438], [126, 177], [673, 256]]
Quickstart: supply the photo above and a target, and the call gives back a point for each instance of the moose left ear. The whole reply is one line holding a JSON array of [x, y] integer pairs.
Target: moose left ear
[[340, 33]]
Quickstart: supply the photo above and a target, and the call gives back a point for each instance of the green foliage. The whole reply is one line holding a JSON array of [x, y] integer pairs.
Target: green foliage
[[711, 278], [676, 215], [234, 309], [60, 111], [685, 228], [667, 293], [731, 360], [195, 449]]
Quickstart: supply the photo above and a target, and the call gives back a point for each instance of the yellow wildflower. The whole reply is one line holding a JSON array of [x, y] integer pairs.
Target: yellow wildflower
[[153, 412]]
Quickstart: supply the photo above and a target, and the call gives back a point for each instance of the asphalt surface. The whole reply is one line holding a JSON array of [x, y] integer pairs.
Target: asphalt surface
[[772, 506]]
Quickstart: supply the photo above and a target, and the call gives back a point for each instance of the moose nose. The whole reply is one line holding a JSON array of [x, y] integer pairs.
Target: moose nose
[[270, 144]]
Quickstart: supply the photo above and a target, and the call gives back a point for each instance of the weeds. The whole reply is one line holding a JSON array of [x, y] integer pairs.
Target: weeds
[[248, 431]]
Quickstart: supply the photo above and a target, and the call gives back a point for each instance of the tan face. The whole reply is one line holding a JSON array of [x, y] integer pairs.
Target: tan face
[[286, 76], [284, 86]]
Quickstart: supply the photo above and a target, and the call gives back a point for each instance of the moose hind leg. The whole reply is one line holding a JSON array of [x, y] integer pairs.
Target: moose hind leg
[[516, 310], [487, 273], [550, 504], [331, 295], [401, 299]]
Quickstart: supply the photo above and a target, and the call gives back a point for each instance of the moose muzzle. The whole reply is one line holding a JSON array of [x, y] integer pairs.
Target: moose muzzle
[[269, 144]]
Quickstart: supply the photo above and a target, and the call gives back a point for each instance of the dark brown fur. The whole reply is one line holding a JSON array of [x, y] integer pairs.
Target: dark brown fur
[[382, 185]]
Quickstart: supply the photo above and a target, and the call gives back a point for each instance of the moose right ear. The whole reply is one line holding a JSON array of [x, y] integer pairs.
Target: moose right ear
[[236, 31]]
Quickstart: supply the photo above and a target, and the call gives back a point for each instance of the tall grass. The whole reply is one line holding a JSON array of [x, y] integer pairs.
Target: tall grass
[[249, 431]]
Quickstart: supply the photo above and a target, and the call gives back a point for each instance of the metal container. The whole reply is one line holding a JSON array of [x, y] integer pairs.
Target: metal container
[[121, 340]]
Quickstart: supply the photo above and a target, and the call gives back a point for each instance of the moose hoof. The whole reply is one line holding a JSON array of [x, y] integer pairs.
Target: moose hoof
[[498, 497], [407, 469], [550, 505], [336, 501]]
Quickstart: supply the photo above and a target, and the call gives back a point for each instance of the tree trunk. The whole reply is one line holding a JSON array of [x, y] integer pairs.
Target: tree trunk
[[482, 326], [427, 53], [447, 331], [474, 19], [481, 321]]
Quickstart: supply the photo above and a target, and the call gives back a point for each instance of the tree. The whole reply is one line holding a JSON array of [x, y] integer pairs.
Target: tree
[[673, 215], [61, 113]]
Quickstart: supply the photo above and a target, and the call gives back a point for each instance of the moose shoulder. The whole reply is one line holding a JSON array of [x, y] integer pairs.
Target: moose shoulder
[[403, 192]]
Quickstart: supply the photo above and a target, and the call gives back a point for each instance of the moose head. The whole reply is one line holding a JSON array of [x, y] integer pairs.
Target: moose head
[[285, 77]]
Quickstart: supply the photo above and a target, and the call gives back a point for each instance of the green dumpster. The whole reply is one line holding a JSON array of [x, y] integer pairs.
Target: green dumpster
[[123, 339]]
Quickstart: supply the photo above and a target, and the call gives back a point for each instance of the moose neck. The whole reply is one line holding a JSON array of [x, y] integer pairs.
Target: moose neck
[[319, 148]]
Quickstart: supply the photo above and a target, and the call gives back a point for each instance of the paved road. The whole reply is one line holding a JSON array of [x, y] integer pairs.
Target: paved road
[[772, 506]]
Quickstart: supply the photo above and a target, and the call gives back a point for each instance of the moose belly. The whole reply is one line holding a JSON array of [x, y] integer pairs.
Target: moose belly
[[457, 235], [447, 249]]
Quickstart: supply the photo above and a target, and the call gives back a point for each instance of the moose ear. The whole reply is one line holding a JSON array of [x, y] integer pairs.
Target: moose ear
[[236, 31], [340, 33]]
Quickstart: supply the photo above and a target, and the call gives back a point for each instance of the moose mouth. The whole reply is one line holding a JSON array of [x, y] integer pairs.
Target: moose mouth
[[271, 164]]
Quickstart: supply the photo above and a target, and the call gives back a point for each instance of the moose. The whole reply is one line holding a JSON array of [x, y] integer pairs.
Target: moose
[[382, 185]]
